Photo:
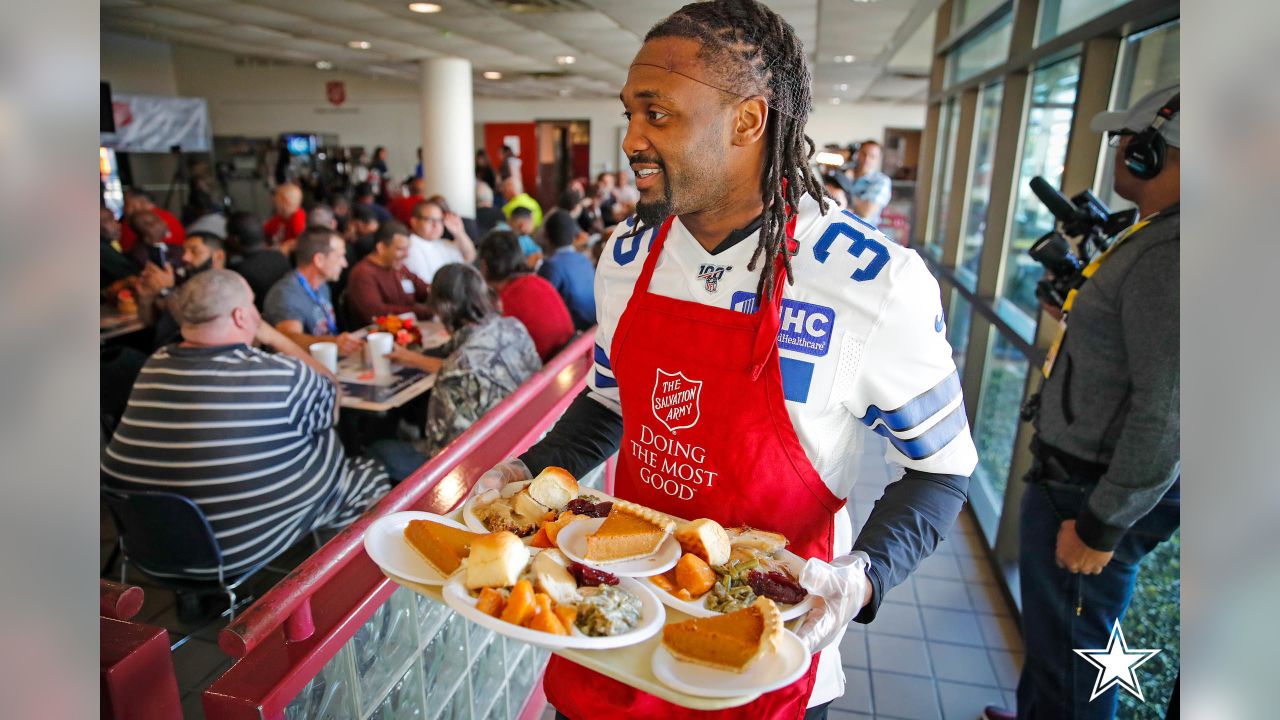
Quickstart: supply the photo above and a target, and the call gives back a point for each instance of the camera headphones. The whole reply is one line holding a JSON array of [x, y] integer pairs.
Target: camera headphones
[[1145, 153]]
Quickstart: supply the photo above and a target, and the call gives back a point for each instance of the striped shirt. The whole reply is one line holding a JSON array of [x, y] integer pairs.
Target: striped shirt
[[249, 437]]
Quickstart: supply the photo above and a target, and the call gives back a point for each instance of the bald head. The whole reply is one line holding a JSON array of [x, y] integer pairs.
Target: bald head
[[287, 199], [215, 307]]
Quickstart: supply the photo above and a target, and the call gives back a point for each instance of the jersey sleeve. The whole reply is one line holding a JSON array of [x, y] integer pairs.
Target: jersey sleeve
[[908, 390], [613, 291]]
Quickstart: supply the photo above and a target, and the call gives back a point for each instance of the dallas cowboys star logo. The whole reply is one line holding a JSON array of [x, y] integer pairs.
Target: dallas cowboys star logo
[[1116, 664]]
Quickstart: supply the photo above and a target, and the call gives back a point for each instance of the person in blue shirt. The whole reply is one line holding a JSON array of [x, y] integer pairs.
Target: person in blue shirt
[[522, 224], [569, 271], [871, 190]]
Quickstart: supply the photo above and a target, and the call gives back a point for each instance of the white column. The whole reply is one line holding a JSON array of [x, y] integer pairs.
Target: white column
[[448, 132]]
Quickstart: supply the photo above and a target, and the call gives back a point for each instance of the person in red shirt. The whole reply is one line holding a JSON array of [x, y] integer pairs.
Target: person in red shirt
[[136, 201], [380, 285], [402, 207], [289, 221], [523, 295]]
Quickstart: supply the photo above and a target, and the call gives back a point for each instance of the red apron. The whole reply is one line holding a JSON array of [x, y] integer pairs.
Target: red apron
[[740, 465]]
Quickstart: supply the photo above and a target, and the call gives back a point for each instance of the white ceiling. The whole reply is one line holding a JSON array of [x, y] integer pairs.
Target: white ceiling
[[890, 39]]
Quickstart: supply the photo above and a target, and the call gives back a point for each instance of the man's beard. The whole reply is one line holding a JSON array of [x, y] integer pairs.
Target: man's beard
[[652, 213]]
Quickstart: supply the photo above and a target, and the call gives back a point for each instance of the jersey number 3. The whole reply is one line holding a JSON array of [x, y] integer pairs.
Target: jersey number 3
[[859, 244]]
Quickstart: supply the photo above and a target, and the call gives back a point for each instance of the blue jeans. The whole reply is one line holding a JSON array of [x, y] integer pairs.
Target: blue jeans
[[397, 456], [1062, 611]]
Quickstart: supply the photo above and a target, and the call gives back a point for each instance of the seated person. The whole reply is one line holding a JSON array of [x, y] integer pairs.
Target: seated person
[[429, 247], [139, 201], [513, 191], [259, 263], [299, 304], [570, 272], [487, 358], [523, 295], [487, 216], [113, 265], [246, 434], [381, 285], [282, 228], [200, 252], [364, 226], [522, 226]]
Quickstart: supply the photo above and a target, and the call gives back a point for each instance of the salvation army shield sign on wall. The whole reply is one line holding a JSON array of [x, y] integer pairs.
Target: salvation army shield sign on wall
[[675, 400], [336, 91]]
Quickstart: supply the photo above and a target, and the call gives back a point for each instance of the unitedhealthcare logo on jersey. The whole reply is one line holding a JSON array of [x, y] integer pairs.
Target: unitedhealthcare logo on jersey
[[675, 400], [806, 328]]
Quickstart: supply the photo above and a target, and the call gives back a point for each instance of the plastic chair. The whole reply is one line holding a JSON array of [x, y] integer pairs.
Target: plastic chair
[[164, 533]]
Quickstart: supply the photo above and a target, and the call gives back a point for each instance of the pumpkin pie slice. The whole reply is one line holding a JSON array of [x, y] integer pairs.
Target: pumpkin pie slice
[[442, 546], [726, 642], [630, 531]]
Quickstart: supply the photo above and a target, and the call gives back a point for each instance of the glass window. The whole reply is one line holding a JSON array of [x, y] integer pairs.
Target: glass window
[[999, 404], [958, 321], [945, 166], [1059, 16], [969, 10], [981, 52], [975, 225], [1044, 150], [1148, 61]]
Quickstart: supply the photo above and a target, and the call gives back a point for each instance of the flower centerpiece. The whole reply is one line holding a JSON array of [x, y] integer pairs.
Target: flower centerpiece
[[405, 330]]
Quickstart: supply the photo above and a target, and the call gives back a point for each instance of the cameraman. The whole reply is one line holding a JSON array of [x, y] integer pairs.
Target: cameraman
[[1103, 490]]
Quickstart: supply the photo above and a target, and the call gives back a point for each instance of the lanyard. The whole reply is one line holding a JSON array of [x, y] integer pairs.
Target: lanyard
[[332, 322], [1052, 355], [1096, 263]]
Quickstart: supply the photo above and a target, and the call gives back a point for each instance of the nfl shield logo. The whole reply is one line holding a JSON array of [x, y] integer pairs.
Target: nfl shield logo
[[675, 400], [336, 91]]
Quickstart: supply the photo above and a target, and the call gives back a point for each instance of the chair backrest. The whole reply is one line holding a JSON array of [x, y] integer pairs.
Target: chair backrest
[[163, 532]]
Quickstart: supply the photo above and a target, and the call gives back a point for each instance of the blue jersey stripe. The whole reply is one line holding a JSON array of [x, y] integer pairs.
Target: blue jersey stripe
[[918, 409], [604, 381], [931, 440], [796, 378], [601, 359]]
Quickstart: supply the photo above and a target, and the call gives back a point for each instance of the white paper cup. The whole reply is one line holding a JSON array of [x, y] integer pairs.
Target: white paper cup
[[377, 345], [326, 353]]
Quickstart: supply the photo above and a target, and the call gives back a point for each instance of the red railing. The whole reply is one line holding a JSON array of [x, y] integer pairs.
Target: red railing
[[285, 638]]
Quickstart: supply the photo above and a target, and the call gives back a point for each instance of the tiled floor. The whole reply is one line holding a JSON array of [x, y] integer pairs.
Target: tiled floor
[[943, 645]]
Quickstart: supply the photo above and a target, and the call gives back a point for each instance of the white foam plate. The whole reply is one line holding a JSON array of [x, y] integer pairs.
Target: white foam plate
[[652, 617], [698, 608], [573, 543], [769, 672], [473, 521], [385, 543]]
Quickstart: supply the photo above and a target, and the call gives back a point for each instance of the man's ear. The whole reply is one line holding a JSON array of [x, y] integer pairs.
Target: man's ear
[[750, 120]]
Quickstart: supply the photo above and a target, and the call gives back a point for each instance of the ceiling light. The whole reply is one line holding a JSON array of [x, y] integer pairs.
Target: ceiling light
[[492, 75], [845, 58], [565, 92], [324, 65], [566, 59], [842, 86], [425, 7], [360, 44], [835, 101]]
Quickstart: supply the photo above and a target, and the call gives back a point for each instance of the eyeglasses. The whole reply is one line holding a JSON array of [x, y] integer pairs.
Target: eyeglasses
[[1113, 137]]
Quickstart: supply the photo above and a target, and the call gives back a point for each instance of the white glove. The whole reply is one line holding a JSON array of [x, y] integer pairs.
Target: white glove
[[841, 587], [502, 474]]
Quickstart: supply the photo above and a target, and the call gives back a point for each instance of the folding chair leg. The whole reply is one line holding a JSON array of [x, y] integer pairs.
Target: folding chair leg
[[231, 604]]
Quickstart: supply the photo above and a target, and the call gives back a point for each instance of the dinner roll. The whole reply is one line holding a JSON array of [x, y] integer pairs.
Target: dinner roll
[[554, 487], [496, 561], [706, 539]]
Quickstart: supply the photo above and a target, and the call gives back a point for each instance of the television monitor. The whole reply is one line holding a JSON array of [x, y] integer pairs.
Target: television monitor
[[301, 144]]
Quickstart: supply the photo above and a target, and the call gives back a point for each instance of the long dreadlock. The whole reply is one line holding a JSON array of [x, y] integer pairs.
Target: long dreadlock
[[753, 49]]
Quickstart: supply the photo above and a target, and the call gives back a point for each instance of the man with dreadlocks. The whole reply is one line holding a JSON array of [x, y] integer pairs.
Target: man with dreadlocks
[[749, 335]]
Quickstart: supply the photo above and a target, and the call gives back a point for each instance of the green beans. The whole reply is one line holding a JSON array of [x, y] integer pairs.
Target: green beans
[[731, 591]]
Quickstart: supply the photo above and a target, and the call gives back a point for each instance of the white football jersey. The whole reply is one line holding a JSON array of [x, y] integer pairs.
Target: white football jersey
[[862, 344], [862, 348]]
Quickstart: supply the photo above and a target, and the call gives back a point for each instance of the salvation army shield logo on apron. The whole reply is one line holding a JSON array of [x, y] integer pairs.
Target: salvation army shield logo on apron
[[675, 400]]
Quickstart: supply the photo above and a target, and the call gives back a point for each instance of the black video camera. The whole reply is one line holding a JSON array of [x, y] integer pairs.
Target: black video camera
[[1084, 222]]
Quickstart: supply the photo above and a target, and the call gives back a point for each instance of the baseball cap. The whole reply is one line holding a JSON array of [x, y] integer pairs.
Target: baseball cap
[[1140, 115]]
